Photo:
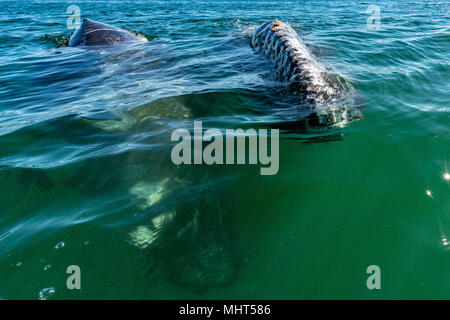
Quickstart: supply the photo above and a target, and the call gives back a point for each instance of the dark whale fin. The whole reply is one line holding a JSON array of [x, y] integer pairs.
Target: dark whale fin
[[93, 33]]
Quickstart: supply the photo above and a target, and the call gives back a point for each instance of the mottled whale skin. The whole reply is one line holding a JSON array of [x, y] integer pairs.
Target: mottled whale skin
[[293, 61], [93, 33]]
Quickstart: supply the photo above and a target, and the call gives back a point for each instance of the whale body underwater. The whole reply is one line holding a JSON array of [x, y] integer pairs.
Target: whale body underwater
[[207, 255]]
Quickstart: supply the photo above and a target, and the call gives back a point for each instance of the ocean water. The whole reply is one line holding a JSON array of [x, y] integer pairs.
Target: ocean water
[[85, 154]]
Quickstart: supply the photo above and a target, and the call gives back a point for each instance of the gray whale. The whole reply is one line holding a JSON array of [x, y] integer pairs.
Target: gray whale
[[93, 33]]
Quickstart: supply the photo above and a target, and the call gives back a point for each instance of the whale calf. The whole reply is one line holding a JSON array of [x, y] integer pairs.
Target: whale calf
[[93, 33]]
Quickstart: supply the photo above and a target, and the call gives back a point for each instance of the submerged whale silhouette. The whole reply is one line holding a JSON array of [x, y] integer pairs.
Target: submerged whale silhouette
[[93, 33], [193, 240]]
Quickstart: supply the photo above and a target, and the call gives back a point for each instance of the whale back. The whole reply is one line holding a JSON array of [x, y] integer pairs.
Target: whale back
[[93, 33]]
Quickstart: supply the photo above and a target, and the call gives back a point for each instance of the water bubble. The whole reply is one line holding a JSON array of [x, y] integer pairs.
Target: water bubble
[[60, 245], [47, 267], [45, 293]]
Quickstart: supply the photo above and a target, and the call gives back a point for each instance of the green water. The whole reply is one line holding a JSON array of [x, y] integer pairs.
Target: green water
[[371, 193]]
